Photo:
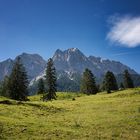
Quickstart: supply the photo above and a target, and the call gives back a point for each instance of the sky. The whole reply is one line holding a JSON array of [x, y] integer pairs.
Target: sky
[[106, 28]]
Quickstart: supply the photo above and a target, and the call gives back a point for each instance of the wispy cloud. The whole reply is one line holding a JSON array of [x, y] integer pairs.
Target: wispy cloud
[[123, 53], [125, 31]]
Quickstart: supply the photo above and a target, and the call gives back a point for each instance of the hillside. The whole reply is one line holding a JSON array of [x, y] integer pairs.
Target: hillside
[[101, 116]]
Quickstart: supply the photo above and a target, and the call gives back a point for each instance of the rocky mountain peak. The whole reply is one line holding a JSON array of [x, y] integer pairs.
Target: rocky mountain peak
[[73, 50], [67, 55], [30, 56], [58, 51]]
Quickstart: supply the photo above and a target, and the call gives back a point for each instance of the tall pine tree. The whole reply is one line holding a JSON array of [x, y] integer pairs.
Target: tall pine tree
[[110, 82], [51, 81], [41, 87], [121, 86], [18, 82], [128, 82], [88, 84], [4, 87]]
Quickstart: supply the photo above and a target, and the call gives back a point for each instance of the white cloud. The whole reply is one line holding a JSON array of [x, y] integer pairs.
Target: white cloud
[[125, 31]]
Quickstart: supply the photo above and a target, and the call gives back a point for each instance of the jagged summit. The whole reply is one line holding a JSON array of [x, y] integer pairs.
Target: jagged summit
[[30, 55], [58, 51], [66, 54], [73, 49], [68, 51]]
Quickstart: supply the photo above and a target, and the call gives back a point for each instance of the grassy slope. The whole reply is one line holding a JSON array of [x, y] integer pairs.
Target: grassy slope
[[103, 116]]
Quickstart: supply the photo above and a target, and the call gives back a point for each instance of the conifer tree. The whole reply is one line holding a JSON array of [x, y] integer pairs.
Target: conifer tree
[[110, 82], [41, 87], [88, 84], [128, 82], [18, 82], [51, 81], [121, 86], [4, 87], [0, 87]]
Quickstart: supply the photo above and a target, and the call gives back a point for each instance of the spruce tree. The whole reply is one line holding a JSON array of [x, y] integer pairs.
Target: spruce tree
[[121, 86], [51, 81], [110, 82], [4, 87], [0, 88], [41, 87], [88, 84], [128, 82], [18, 82]]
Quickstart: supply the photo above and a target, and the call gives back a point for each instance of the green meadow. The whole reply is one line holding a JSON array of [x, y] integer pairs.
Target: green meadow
[[73, 116]]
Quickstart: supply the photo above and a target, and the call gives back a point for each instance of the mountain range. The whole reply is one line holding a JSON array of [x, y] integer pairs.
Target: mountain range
[[69, 65]]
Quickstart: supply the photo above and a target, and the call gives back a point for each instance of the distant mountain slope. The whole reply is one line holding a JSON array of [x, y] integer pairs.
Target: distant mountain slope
[[69, 65], [33, 63], [5, 68], [74, 61]]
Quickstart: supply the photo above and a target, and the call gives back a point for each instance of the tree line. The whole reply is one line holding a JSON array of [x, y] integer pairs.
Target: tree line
[[16, 85], [89, 86]]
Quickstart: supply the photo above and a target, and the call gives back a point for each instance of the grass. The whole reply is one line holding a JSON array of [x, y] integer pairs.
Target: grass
[[103, 116]]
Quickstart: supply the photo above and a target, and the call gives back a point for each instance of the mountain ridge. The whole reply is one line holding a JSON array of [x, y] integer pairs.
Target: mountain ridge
[[69, 65], [65, 56], [74, 56]]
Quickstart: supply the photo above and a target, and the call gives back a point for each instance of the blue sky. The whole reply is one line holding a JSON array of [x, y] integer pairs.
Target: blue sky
[[106, 28]]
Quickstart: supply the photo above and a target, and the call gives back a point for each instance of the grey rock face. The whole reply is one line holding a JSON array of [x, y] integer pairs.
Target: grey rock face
[[74, 61], [5, 68], [33, 63]]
